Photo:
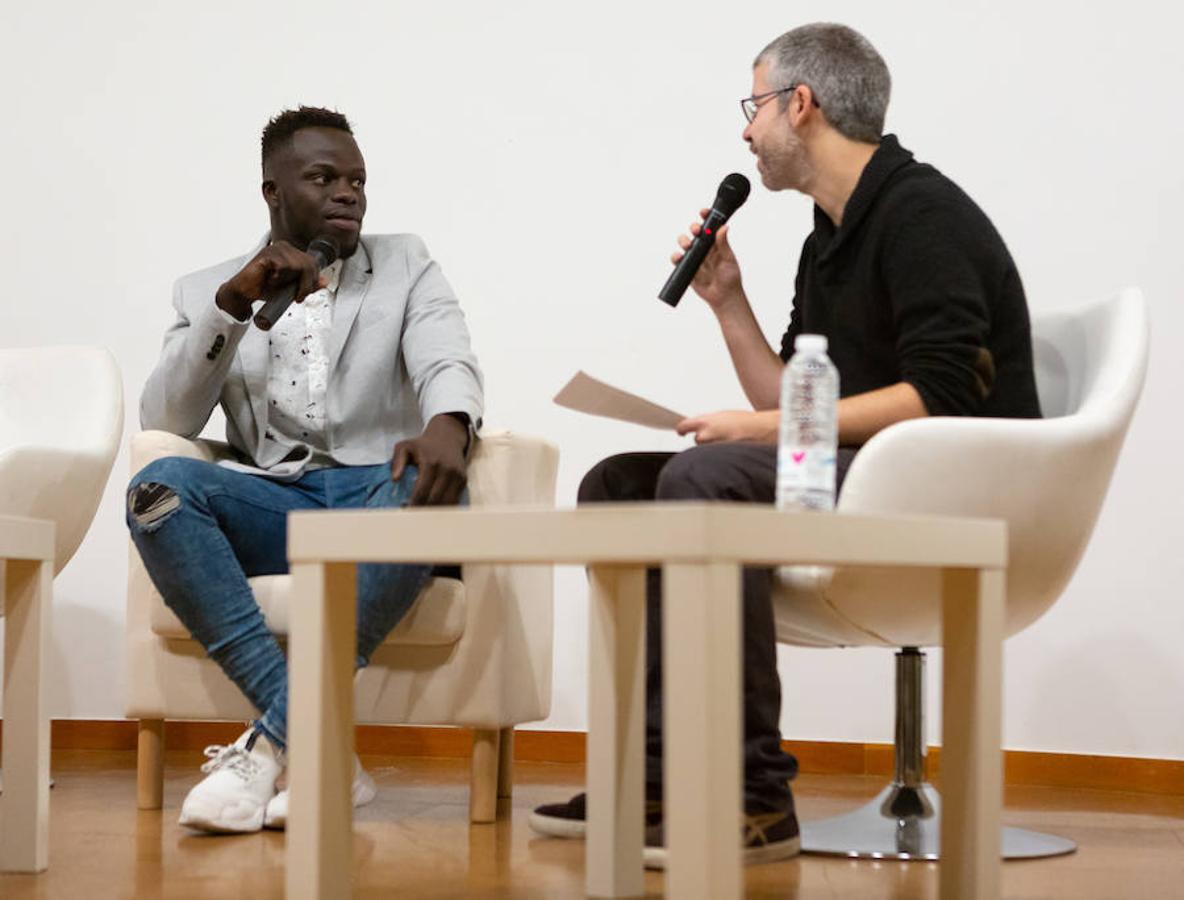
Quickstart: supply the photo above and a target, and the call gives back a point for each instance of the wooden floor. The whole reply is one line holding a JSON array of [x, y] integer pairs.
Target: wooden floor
[[415, 841]]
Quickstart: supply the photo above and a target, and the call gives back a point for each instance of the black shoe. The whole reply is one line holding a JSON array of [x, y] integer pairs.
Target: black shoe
[[569, 820], [766, 837]]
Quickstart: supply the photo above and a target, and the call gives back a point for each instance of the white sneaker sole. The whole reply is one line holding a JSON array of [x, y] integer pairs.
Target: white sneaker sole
[[221, 820], [655, 857], [362, 791], [552, 826]]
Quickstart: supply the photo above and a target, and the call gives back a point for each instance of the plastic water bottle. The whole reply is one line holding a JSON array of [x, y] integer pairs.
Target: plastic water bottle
[[808, 441]]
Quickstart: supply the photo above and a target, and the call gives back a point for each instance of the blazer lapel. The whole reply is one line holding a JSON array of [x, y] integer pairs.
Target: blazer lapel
[[355, 280]]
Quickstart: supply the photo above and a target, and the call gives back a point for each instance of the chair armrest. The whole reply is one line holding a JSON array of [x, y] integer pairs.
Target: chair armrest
[[983, 467], [510, 609], [509, 468], [147, 446]]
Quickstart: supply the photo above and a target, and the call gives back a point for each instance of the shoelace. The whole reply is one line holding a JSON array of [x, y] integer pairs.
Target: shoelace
[[755, 827], [236, 759]]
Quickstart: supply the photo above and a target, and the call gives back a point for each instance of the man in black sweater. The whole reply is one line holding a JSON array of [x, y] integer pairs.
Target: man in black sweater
[[924, 314]]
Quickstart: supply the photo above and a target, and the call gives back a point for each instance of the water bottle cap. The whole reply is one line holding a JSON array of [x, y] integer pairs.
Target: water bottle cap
[[810, 343]]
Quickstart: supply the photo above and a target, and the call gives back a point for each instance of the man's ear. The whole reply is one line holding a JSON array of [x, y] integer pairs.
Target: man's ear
[[801, 104], [270, 194]]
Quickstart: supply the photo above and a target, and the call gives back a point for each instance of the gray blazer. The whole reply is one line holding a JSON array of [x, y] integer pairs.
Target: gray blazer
[[398, 355]]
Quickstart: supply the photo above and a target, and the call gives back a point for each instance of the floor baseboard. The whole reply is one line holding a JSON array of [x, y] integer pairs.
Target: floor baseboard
[[1021, 767]]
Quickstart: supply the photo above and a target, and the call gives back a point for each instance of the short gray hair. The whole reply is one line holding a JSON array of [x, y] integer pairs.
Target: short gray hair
[[849, 78]]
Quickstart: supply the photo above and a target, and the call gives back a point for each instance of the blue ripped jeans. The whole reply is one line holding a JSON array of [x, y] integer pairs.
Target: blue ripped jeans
[[203, 530]]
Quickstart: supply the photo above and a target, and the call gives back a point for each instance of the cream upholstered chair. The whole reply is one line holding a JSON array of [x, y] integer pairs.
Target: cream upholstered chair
[[474, 653], [61, 418], [1046, 477]]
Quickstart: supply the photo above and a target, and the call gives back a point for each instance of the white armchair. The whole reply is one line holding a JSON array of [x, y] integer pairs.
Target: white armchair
[[1046, 477], [474, 653], [61, 417]]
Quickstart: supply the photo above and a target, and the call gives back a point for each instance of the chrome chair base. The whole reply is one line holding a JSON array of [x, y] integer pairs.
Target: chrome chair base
[[905, 823]]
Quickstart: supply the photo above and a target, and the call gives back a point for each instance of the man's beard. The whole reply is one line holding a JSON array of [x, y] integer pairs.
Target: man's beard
[[785, 166]]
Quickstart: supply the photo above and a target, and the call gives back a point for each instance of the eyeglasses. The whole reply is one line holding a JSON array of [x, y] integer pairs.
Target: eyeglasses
[[750, 105]]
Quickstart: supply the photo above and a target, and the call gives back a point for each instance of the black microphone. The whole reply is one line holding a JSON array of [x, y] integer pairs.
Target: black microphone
[[733, 191], [276, 303]]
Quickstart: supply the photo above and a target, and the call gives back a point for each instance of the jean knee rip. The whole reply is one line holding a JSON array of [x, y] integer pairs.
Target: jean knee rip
[[151, 504]]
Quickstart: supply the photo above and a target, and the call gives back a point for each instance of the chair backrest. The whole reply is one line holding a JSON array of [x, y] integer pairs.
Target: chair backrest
[[1092, 360], [61, 419], [1046, 477]]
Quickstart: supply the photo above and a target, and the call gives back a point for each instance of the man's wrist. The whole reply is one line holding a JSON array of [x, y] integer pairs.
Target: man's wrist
[[768, 425], [467, 432], [231, 304], [735, 304], [470, 431]]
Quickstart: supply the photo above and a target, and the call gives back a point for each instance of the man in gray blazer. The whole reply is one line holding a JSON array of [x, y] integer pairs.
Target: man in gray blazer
[[365, 393]]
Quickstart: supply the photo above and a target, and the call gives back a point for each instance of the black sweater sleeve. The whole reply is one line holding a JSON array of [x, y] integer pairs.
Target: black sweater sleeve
[[939, 307]]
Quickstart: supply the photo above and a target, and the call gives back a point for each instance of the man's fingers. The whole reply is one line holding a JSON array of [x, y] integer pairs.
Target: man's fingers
[[309, 279], [282, 264], [424, 482], [688, 425], [684, 241], [705, 432], [399, 462], [320, 283], [439, 488], [273, 273], [446, 489]]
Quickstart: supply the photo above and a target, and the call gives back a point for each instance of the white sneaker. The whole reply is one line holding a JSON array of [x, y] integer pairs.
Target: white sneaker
[[362, 792], [233, 796]]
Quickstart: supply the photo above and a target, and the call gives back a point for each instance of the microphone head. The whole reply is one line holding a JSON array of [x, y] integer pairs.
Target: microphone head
[[324, 250], [732, 193]]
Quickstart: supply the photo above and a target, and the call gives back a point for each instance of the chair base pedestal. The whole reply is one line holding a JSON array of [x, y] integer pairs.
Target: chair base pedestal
[[874, 831]]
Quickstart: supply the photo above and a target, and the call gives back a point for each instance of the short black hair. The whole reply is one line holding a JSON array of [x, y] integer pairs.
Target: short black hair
[[280, 129]]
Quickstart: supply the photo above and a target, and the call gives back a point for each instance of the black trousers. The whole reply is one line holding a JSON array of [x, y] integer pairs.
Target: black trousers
[[738, 472]]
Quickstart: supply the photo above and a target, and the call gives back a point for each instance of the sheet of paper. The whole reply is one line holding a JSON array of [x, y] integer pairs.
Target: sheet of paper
[[585, 394]]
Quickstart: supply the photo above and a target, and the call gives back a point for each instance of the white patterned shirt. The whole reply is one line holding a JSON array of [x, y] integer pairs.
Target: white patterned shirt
[[298, 368]]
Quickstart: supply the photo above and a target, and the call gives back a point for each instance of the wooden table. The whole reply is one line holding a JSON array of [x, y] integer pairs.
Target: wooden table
[[701, 548], [27, 551]]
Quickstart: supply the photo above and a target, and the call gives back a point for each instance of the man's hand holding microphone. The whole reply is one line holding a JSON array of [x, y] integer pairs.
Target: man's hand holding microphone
[[279, 274], [705, 262]]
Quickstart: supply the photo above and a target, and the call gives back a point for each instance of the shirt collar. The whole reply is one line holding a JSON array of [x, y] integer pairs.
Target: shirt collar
[[885, 162]]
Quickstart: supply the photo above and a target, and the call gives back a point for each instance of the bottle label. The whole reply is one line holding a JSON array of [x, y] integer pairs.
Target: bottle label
[[806, 468]]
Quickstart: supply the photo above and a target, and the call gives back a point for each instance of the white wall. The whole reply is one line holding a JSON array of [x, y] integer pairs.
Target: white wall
[[549, 155]]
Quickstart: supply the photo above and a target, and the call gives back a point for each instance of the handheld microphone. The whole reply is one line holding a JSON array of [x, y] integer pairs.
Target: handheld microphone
[[733, 191], [276, 303]]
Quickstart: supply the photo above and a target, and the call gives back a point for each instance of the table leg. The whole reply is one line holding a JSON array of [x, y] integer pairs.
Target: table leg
[[971, 758], [24, 826], [616, 732], [702, 652], [321, 655]]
